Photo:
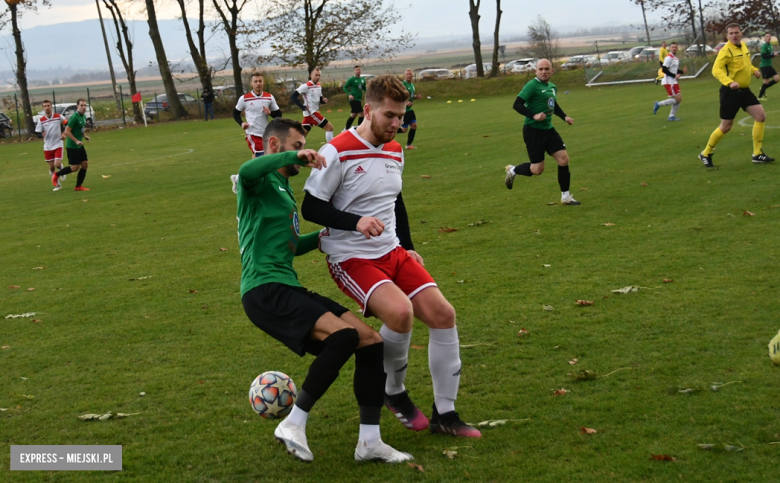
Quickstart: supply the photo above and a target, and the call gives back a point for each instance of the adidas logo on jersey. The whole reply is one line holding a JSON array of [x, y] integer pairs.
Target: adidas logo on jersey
[[360, 170]]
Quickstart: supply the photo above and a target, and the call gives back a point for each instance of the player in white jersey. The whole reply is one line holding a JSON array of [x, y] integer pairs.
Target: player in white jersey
[[371, 258], [672, 72], [50, 125], [258, 107], [312, 98]]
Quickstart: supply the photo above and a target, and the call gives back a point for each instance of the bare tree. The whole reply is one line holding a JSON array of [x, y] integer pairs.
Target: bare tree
[[16, 9], [475, 42], [642, 3], [316, 32], [544, 41], [753, 16], [231, 28], [494, 70], [177, 109], [124, 46], [197, 52]]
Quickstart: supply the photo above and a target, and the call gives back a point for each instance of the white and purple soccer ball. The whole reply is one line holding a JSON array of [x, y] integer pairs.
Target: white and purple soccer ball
[[272, 394]]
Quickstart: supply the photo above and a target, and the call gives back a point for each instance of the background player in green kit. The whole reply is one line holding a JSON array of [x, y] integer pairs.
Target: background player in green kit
[[274, 300], [77, 154], [410, 118], [767, 71], [537, 102], [355, 87]]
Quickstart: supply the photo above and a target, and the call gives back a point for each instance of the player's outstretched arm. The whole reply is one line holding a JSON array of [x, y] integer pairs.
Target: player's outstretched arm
[[307, 243], [254, 170]]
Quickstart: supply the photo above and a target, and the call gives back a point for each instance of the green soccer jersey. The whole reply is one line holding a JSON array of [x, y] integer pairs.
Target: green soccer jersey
[[539, 97], [766, 49], [76, 124], [355, 87], [268, 227], [412, 92]]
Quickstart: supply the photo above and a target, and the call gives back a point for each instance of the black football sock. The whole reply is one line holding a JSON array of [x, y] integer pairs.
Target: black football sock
[[564, 178], [410, 139], [771, 83], [763, 89], [65, 170], [339, 347], [80, 179], [360, 120], [350, 120], [523, 169], [369, 382]]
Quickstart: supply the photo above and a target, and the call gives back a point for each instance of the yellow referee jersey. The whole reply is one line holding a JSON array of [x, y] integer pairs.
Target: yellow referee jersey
[[663, 53], [733, 65]]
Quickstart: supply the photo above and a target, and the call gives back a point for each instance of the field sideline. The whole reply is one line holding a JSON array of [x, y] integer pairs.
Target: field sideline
[[106, 333]]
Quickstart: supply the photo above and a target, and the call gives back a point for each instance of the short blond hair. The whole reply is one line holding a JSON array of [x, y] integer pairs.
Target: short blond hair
[[386, 86]]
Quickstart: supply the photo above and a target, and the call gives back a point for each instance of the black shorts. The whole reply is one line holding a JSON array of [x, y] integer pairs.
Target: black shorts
[[731, 101], [357, 107], [540, 141], [768, 72], [288, 314], [409, 118], [76, 155]]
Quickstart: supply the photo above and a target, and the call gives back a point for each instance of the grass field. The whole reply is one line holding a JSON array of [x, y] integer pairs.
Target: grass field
[[103, 333]]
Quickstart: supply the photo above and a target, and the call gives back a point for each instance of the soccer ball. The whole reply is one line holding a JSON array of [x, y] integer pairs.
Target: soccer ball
[[272, 394], [774, 349]]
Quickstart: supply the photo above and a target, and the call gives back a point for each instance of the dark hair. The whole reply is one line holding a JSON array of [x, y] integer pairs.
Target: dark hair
[[258, 74], [673, 43], [45, 101], [79, 101], [384, 86], [281, 127], [733, 26], [356, 67]]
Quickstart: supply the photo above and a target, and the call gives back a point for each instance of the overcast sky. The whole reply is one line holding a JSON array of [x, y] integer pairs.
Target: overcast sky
[[427, 17]]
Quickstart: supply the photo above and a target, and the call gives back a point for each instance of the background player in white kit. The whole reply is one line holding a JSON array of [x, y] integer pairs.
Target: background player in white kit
[[672, 72], [258, 106], [50, 124], [312, 98], [357, 197]]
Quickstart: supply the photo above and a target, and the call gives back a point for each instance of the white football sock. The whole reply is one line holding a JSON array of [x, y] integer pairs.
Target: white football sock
[[328, 136], [673, 113], [298, 416], [444, 363], [667, 102], [369, 433], [564, 194], [396, 359]]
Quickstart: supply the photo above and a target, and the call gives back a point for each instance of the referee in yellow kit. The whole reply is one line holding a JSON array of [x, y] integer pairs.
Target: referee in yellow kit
[[733, 69]]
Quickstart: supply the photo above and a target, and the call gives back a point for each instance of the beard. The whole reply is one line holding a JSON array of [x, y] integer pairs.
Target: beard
[[381, 135], [292, 170]]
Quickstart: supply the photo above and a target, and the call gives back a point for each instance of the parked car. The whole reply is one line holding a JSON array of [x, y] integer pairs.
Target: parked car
[[520, 65], [694, 49], [435, 74], [579, 62], [634, 53], [615, 57], [225, 92], [649, 54], [471, 70], [160, 103], [66, 110], [720, 46], [6, 126]]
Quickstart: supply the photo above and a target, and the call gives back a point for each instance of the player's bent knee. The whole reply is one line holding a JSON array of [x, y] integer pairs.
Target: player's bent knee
[[443, 318], [369, 337]]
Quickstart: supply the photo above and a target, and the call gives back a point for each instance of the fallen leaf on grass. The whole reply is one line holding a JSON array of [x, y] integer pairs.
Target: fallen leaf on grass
[[446, 229], [193, 291], [201, 382], [416, 466], [747, 213], [426, 176], [36, 321], [585, 375], [418, 347], [607, 224], [38, 268], [548, 308], [523, 332], [106, 176], [16, 316], [583, 189], [625, 290], [31, 289], [480, 222], [5, 347], [662, 457], [486, 136], [141, 278], [551, 203], [26, 396], [668, 280], [3, 409], [84, 200], [560, 392], [573, 361], [584, 430], [492, 423], [546, 265], [105, 417], [12, 287], [461, 281], [449, 453], [584, 303], [223, 249]]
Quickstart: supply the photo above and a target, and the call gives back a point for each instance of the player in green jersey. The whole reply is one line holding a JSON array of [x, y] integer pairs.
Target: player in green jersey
[[537, 102], [77, 154], [355, 87], [410, 118], [274, 300], [767, 71]]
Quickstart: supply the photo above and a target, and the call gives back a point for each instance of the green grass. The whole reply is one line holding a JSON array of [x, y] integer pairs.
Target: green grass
[[167, 209]]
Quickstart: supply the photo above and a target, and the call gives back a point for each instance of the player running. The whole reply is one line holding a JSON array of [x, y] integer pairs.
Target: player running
[[77, 154], [732, 68], [672, 73], [275, 301], [312, 98], [767, 71], [50, 125], [259, 106], [538, 102], [357, 196], [410, 119], [355, 87]]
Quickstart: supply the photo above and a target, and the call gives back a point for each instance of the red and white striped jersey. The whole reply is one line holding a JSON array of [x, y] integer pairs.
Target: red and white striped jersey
[[360, 179], [51, 127], [673, 64], [253, 106], [311, 93]]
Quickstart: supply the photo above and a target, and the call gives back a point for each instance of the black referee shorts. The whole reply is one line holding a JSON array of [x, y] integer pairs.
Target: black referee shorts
[[76, 155], [540, 141], [357, 107], [288, 314], [732, 100], [768, 72]]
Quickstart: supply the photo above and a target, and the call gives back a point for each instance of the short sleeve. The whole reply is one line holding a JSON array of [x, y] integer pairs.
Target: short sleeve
[[527, 92], [668, 62], [323, 183], [303, 89], [241, 105], [273, 106], [38, 126]]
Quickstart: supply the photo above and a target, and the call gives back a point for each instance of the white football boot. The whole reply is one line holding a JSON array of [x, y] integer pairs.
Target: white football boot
[[294, 438], [510, 176], [569, 200], [379, 451], [234, 180]]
